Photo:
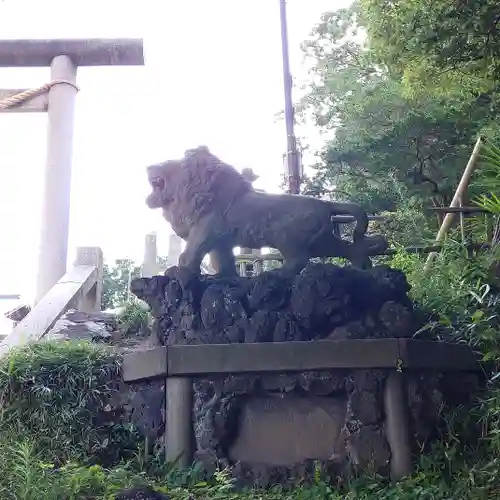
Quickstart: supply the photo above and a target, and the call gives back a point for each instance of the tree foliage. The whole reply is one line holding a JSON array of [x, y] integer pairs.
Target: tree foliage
[[397, 123], [459, 39], [115, 282]]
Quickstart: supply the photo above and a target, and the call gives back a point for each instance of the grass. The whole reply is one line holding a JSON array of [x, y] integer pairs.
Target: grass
[[134, 317], [62, 394], [26, 476], [63, 438]]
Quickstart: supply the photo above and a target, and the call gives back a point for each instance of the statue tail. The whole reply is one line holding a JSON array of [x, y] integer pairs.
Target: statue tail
[[357, 212]]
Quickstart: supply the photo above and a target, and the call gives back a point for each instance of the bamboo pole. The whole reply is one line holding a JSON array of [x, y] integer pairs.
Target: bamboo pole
[[461, 189], [462, 222]]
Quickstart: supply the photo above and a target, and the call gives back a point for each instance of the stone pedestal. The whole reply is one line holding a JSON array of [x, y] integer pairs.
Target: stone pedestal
[[278, 427]]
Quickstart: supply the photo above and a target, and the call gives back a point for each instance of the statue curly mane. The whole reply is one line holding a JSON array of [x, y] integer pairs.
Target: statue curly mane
[[205, 184]]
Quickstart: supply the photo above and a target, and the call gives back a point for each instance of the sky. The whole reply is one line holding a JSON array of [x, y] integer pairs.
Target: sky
[[212, 76]]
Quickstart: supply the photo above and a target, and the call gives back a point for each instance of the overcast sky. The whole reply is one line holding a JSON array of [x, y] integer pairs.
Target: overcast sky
[[212, 76]]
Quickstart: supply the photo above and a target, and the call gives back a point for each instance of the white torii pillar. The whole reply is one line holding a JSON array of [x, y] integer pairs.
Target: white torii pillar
[[54, 227], [63, 57]]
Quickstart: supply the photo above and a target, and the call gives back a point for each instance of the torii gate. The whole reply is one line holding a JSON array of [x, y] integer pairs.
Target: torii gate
[[57, 97]]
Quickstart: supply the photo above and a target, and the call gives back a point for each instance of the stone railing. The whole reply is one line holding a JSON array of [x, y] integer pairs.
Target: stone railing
[[397, 357], [80, 288]]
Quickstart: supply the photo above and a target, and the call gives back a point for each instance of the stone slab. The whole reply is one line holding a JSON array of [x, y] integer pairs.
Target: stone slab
[[79, 325], [195, 360], [144, 365], [281, 356], [439, 356]]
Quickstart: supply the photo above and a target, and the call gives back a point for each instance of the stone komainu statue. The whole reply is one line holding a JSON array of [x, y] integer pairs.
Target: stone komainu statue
[[215, 208]]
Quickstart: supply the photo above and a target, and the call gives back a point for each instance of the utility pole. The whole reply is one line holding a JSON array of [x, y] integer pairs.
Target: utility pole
[[292, 161]]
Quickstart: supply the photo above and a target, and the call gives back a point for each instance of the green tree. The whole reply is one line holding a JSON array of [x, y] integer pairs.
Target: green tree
[[115, 282], [385, 139], [458, 40]]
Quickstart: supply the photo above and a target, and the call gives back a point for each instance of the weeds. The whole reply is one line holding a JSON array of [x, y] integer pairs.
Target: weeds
[[134, 317]]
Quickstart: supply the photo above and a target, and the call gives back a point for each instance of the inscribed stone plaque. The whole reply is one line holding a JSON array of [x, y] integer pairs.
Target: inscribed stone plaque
[[285, 430]]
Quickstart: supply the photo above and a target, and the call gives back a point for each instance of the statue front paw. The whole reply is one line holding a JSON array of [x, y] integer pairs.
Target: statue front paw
[[186, 277]]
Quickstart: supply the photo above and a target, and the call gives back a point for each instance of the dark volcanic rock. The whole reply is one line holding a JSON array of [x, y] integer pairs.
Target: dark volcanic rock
[[269, 291], [397, 320], [323, 300], [353, 330], [367, 447]]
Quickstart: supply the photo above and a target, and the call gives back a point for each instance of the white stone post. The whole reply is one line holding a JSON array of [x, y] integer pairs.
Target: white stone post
[[396, 425], [178, 420], [257, 267], [174, 250], [150, 263], [53, 250], [91, 256]]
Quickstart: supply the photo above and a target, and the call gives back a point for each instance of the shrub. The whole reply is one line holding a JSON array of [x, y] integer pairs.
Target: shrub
[[58, 393]]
